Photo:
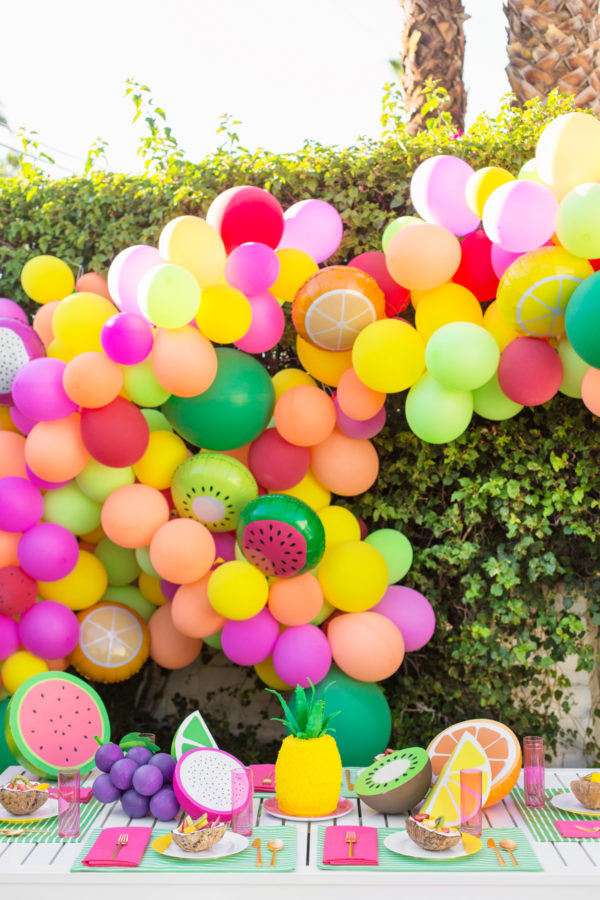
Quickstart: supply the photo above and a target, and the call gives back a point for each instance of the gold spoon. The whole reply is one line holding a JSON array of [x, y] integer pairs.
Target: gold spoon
[[275, 845], [509, 846], [19, 831]]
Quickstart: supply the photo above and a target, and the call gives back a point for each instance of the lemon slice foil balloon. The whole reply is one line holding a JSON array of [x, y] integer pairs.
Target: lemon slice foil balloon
[[443, 798]]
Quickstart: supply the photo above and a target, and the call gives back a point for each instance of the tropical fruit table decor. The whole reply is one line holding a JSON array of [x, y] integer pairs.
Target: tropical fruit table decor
[[444, 797], [22, 796], [308, 770], [135, 772], [191, 734], [202, 782], [432, 833], [396, 781], [587, 790]]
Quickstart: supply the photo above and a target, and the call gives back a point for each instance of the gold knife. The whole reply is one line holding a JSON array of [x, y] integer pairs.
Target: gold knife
[[492, 845], [256, 844]]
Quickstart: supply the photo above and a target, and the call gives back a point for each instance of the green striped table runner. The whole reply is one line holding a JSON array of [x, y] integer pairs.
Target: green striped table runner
[[285, 861], [483, 861], [541, 821], [87, 815]]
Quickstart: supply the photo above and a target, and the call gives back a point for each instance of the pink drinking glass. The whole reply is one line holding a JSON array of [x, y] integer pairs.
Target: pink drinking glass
[[68, 803], [534, 771], [471, 814], [242, 796]]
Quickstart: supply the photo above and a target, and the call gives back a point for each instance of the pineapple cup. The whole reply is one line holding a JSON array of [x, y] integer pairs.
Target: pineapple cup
[[308, 771]]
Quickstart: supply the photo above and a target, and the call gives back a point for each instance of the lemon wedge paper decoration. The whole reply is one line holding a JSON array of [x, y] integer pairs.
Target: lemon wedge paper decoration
[[443, 798]]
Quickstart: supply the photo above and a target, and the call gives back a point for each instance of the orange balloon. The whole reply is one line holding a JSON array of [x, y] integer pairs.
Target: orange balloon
[[55, 450], [12, 454], [304, 415], [168, 646], [58, 665], [590, 390], [327, 366], [182, 550], [296, 601], [93, 283], [365, 645], [9, 541], [344, 465], [192, 612], [358, 401], [183, 361], [239, 453], [133, 513], [421, 256], [92, 380], [42, 322]]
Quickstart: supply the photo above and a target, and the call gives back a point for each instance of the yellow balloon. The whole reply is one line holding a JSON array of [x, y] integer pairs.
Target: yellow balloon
[[327, 366], [289, 378], [82, 587], [340, 525], [57, 351], [224, 314], [447, 303], [267, 674], [310, 491], [498, 327], [6, 423], [568, 152], [78, 321], [237, 590], [353, 575], [296, 267], [192, 243], [481, 184], [20, 666], [165, 451], [151, 589], [389, 355], [47, 278]]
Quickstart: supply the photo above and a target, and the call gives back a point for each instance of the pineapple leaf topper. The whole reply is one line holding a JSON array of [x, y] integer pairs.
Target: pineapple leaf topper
[[310, 721]]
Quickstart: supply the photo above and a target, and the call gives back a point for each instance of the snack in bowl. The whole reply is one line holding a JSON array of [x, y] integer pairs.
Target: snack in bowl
[[587, 790], [22, 797], [193, 836], [430, 832]]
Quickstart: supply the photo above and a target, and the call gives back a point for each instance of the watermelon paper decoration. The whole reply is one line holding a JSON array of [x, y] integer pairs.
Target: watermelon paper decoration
[[191, 734], [51, 723], [444, 797], [202, 782]]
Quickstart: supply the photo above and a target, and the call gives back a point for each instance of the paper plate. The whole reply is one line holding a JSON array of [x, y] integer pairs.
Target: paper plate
[[568, 802], [231, 844], [399, 842], [342, 809], [47, 811]]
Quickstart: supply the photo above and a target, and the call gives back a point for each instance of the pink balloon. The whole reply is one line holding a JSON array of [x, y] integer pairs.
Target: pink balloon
[[21, 504], [313, 226], [302, 654], [48, 552], [266, 327], [41, 482], [23, 423], [275, 463], [49, 630], [38, 391], [367, 428], [410, 612], [11, 310], [501, 259], [125, 273], [437, 190], [530, 371], [250, 641], [252, 268], [9, 637], [127, 338], [17, 591], [520, 215]]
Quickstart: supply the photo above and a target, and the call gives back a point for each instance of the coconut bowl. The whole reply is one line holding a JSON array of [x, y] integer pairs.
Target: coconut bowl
[[587, 792], [22, 803], [196, 841], [430, 840]]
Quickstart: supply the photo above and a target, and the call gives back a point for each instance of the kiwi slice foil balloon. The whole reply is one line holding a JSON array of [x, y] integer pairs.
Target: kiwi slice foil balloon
[[213, 489], [395, 782]]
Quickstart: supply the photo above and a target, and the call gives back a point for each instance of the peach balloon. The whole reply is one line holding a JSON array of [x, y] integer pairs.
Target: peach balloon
[[9, 541], [366, 645], [55, 451], [344, 465], [355, 399], [92, 380], [42, 322], [183, 361], [182, 550], [132, 514], [168, 646], [296, 601], [192, 612], [304, 415], [94, 283], [590, 390], [239, 453], [422, 256], [12, 454], [58, 665]]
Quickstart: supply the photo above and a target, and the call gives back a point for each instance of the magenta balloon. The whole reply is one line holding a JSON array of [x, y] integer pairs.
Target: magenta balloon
[[367, 428], [19, 344], [21, 504], [520, 215], [302, 654], [9, 637], [501, 259], [23, 423], [127, 338], [41, 482], [437, 190], [38, 390], [410, 612], [224, 546], [125, 273], [48, 552], [250, 641], [169, 589], [49, 630], [313, 226], [252, 268], [11, 310], [266, 326]]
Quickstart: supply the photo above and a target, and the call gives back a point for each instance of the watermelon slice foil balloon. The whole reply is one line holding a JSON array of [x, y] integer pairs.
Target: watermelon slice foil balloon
[[202, 782], [51, 723]]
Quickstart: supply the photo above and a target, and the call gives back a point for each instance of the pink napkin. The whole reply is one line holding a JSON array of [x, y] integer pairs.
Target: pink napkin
[[85, 794], [262, 772], [335, 848], [570, 829], [129, 855]]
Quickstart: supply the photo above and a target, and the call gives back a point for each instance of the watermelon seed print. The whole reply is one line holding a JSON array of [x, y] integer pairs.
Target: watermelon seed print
[[274, 551]]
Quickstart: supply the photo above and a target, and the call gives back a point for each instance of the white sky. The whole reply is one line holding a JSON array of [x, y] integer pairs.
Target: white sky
[[288, 69]]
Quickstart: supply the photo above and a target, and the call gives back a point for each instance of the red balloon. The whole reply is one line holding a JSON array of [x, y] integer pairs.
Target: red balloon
[[275, 463], [530, 371], [373, 263], [242, 214], [18, 591], [116, 434], [475, 271]]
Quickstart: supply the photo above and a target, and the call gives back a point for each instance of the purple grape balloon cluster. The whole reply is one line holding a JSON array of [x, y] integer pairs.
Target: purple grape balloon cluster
[[142, 782]]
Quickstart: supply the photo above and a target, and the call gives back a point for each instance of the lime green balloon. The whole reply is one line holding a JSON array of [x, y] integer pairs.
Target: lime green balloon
[[70, 507], [325, 610], [156, 420], [529, 171], [120, 563], [214, 640], [169, 296], [395, 226], [141, 385], [396, 550], [132, 597], [435, 414], [490, 402], [574, 368], [578, 221], [142, 555], [462, 356], [98, 482]]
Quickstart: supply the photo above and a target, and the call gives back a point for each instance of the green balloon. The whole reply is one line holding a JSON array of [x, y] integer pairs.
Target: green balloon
[[582, 320], [490, 402], [578, 221], [120, 563], [462, 356], [142, 555], [214, 640], [574, 368], [70, 507], [324, 612], [396, 550], [98, 481], [141, 385], [132, 597], [156, 420], [435, 414], [6, 757], [233, 411]]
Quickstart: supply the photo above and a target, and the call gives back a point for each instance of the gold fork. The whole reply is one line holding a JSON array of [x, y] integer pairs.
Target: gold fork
[[122, 840], [350, 840]]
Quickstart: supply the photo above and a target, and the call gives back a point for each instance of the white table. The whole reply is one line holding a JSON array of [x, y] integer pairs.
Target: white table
[[571, 869]]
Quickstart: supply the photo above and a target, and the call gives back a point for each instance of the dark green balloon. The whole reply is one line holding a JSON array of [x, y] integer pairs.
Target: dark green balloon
[[6, 757], [234, 410], [582, 320]]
